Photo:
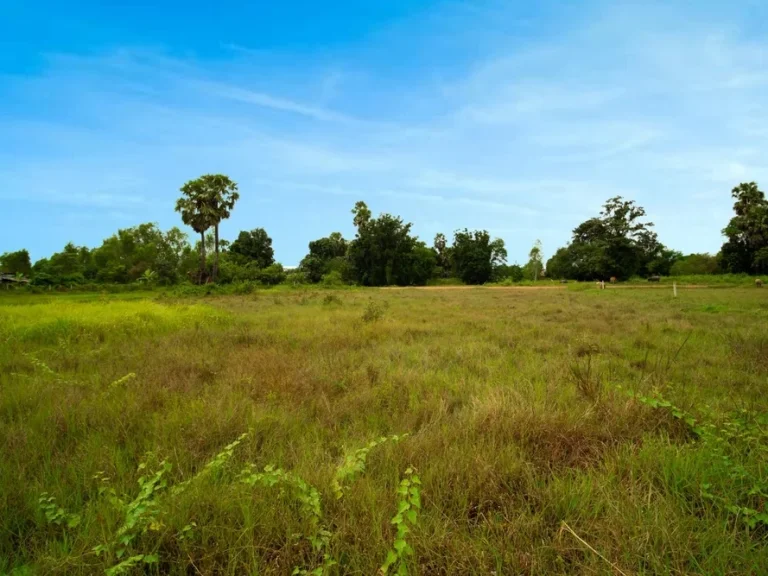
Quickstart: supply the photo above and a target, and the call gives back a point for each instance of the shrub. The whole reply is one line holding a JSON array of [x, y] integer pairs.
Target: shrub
[[373, 312], [333, 278]]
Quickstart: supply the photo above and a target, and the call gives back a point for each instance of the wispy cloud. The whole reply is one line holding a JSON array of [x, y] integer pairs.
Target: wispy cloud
[[510, 132]]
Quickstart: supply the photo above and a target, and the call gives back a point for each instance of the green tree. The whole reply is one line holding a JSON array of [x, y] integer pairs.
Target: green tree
[[746, 247], [384, 252], [475, 255], [325, 255], [207, 201], [196, 216], [695, 264], [16, 263], [443, 255], [66, 267], [616, 243], [254, 246], [535, 263]]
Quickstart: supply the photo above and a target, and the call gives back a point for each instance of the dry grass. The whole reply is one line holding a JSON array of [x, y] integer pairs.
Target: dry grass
[[510, 398]]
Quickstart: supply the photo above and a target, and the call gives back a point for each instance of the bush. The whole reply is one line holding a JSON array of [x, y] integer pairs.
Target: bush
[[333, 278], [272, 275]]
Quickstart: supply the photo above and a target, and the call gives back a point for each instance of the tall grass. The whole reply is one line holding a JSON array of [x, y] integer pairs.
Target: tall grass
[[265, 433]]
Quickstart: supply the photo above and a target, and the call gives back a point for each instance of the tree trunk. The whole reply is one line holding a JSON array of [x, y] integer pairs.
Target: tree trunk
[[216, 259], [202, 257]]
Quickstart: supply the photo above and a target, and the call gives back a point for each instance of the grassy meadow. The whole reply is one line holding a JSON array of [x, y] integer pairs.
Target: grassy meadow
[[433, 431]]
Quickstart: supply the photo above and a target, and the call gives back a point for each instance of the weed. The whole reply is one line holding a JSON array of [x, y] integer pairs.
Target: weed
[[122, 381], [311, 509], [407, 516], [55, 514], [354, 463], [140, 516], [331, 299], [373, 312]]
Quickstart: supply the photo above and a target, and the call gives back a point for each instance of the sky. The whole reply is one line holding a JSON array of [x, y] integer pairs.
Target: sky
[[521, 118]]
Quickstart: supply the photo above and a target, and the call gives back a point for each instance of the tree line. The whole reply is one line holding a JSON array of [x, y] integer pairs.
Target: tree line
[[619, 242]]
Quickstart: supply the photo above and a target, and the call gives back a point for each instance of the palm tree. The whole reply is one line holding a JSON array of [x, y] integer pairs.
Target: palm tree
[[211, 199], [223, 195], [195, 215], [148, 277]]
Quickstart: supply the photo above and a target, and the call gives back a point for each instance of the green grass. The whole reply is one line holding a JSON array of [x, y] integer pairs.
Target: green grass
[[546, 432]]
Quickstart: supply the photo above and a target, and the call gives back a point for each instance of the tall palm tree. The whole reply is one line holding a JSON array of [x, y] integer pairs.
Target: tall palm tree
[[195, 215], [207, 201], [222, 195]]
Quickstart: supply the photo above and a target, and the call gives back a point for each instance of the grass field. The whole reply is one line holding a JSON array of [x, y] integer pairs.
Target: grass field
[[548, 432]]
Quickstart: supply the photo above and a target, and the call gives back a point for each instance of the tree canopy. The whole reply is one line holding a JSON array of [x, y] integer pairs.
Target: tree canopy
[[254, 246], [746, 247], [384, 253], [16, 263], [617, 243]]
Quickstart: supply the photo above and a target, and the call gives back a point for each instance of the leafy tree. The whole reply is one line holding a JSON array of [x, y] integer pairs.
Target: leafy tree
[[127, 255], [384, 252], [746, 248], [255, 246], [617, 243], [325, 255], [16, 263], [513, 272], [475, 255], [535, 264], [334, 246], [66, 267], [695, 264], [443, 254]]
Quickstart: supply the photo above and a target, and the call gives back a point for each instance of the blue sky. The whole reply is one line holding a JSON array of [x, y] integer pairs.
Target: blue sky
[[520, 118]]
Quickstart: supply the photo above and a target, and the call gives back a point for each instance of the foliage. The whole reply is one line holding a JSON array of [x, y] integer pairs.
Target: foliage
[[55, 514], [405, 520], [139, 514], [508, 272], [354, 463], [253, 247], [384, 253], [373, 312], [311, 508], [535, 266], [695, 264], [129, 254], [746, 250], [737, 453], [475, 255], [16, 263], [617, 243]]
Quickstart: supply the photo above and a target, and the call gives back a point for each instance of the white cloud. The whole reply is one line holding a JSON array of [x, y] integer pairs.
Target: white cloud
[[625, 99]]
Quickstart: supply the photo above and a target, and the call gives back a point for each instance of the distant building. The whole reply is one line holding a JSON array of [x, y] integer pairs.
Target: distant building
[[12, 279]]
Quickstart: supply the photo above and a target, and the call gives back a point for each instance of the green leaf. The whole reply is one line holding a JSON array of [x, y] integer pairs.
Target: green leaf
[[151, 559], [399, 545], [391, 559], [411, 515]]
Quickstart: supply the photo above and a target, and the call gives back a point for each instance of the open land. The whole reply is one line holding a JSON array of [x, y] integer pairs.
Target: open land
[[553, 431]]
